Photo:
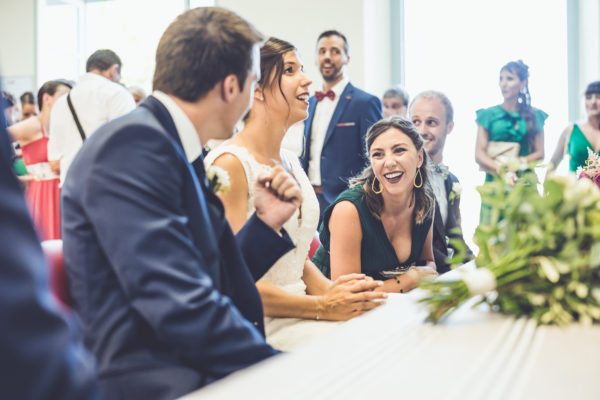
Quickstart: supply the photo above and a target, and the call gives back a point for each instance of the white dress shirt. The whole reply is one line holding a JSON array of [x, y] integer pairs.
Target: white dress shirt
[[96, 100], [323, 113]]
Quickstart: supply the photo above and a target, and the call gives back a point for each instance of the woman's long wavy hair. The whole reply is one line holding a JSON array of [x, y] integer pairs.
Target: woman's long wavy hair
[[423, 196], [521, 69]]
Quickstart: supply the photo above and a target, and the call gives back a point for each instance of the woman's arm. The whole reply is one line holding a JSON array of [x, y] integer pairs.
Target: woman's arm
[[559, 152], [538, 148], [235, 199], [348, 297], [316, 282], [346, 238], [25, 131], [481, 157]]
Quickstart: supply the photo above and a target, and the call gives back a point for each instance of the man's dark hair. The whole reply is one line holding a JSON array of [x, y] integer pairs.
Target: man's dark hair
[[102, 60], [333, 32], [9, 99], [200, 48]]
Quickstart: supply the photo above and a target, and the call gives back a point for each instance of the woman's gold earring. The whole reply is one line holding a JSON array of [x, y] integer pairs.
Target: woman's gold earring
[[373, 186], [420, 179]]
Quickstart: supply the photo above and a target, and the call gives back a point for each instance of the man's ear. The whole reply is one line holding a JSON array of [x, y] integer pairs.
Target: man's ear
[[449, 128], [229, 87], [259, 94]]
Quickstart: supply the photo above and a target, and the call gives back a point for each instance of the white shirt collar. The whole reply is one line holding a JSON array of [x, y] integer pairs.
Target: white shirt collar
[[187, 133]]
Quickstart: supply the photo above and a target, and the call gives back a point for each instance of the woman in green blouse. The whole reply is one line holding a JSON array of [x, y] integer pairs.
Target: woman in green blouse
[[578, 137], [513, 121]]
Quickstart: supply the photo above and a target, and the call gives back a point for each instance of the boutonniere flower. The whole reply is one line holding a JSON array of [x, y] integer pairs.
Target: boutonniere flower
[[218, 179], [456, 191]]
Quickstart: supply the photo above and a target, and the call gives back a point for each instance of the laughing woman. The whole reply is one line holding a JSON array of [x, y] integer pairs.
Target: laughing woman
[[382, 224], [297, 298]]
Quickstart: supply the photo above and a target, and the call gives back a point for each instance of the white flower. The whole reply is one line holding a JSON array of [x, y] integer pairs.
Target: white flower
[[456, 191], [218, 179]]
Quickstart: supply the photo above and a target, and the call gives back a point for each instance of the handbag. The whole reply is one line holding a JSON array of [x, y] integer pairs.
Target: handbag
[[501, 152]]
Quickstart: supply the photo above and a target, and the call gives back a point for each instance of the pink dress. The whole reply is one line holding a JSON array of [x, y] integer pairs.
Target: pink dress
[[43, 193]]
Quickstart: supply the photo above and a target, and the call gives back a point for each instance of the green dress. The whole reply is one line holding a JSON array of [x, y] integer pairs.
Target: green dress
[[578, 145], [376, 251], [505, 126]]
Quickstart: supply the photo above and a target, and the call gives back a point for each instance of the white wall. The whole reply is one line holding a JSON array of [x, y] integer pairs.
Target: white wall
[[17, 43], [365, 23]]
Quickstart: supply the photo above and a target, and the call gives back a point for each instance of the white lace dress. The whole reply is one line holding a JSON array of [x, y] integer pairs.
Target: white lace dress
[[285, 333]]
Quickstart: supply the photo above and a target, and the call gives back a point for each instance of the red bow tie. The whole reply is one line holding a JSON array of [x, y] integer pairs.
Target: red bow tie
[[320, 95]]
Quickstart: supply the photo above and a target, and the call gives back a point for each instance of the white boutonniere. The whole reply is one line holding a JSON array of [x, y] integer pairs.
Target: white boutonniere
[[218, 179], [456, 191]]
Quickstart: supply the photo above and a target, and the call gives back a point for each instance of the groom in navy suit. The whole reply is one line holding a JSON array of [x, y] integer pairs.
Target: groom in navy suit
[[338, 119], [165, 291]]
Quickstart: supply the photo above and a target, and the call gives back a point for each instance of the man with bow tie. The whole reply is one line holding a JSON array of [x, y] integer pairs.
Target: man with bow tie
[[432, 114], [339, 116], [165, 291]]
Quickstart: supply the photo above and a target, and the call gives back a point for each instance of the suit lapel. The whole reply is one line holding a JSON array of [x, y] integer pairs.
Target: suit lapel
[[343, 102], [438, 224]]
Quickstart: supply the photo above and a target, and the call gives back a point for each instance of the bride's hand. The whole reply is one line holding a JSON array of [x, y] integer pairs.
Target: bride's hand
[[349, 296]]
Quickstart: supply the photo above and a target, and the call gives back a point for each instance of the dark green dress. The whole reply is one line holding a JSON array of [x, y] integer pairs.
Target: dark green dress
[[376, 252], [578, 145], [505, 126]]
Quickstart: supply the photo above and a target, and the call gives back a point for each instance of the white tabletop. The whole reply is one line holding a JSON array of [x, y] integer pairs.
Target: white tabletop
[[393, 353]]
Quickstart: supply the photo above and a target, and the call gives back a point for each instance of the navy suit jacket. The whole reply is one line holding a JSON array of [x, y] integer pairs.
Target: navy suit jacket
[[41, 356], [442, 231], [343, 154], [165, 292]]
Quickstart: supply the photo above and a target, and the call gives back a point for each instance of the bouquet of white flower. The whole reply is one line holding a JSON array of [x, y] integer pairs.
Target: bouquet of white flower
[[541, 259], [591, 169]]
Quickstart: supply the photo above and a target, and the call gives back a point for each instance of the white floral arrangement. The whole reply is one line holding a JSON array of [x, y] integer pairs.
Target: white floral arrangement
[[539, 257], [218, 179], [592, 169]]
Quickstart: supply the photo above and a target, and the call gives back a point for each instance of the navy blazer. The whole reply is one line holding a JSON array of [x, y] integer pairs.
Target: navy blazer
[[166, 294], [41, 356], [343, 155], [442, 231]]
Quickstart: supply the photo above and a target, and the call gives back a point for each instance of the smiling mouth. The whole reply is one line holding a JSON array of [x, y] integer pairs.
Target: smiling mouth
[[303, 97], [393, 177]]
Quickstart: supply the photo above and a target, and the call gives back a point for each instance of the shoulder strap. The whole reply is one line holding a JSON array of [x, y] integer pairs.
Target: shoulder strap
[[79, 128]]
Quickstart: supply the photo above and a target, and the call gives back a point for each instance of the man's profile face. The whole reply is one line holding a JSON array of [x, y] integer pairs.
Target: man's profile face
[[331, 57], [429, 116]]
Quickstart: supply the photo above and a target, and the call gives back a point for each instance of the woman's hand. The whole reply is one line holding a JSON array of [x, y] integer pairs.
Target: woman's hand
[[349, 296]]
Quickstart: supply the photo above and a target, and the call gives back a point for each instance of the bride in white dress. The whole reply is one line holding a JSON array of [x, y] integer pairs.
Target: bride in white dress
[[299, 302]]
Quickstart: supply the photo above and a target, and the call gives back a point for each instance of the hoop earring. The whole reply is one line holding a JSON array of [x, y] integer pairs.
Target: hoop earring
[[420, 178], [373, 186]]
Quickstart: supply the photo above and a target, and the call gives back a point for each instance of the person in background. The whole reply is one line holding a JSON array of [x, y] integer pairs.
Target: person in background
[[138, 94], [338, 119], [395, 102], [42, 357], [165, 291], [297, 298], [96, 99], [43, 193], [511, 131], [28, 106], [432, 114], [578, 137], [382, 225]]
